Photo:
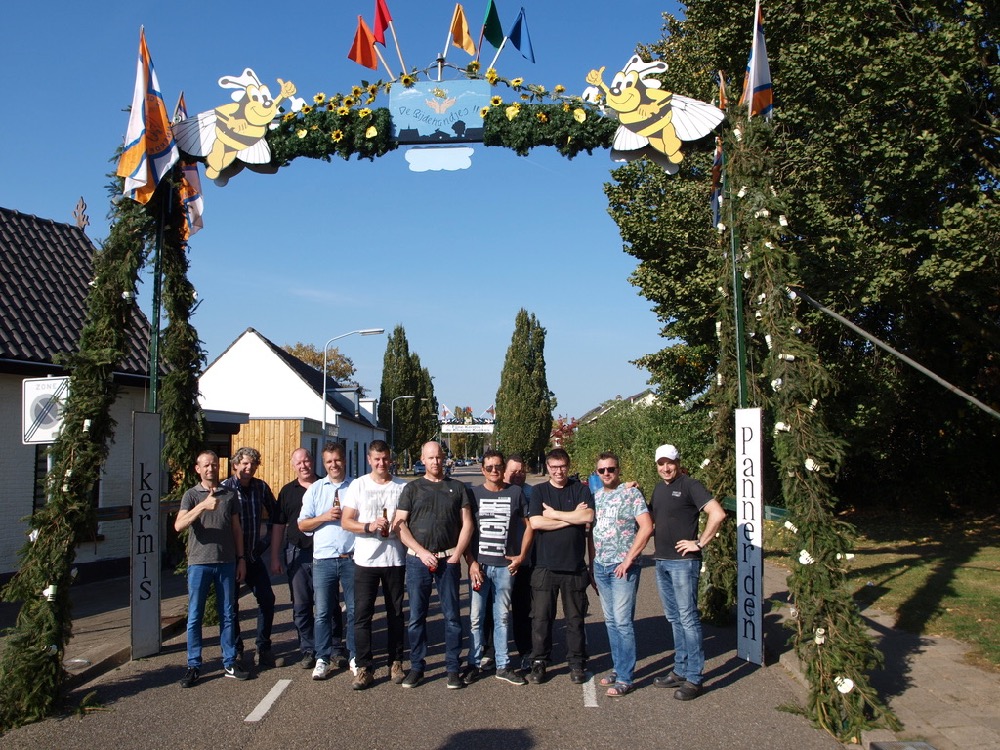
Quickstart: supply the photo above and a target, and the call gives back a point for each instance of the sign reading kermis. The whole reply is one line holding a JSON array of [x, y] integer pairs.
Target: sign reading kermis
[[439, 112]]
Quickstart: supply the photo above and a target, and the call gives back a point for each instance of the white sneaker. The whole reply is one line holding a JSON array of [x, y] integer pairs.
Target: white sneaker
[[322, 670], [354, 667]]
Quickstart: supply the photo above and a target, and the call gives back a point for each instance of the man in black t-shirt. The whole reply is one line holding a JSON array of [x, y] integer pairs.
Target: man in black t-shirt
[[295, 548], [677, 503], [434, 520], [559, 512]]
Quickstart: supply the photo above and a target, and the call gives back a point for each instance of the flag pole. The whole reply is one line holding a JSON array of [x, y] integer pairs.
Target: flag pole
[[447, 43], [387, 68], [154, 326], [497, 55], [392, 28]]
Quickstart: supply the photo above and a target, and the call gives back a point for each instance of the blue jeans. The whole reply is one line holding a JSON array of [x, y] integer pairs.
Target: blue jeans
[[498, 581], [200, 577], [298, 564], [677, 581], [618, 602], [329, 575], [419, 579]]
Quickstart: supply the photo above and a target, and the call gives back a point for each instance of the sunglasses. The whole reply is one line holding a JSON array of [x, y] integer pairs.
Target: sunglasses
[[607, 470], [495, 467]]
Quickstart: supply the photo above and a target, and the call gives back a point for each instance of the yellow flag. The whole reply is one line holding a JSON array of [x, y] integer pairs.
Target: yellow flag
[[460, 31]]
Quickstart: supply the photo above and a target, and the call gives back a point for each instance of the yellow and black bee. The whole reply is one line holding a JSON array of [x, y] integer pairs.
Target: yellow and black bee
[[653, 121], [233, 131]]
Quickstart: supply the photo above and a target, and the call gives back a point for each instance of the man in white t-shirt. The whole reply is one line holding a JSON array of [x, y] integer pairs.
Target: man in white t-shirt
[[379, 557]]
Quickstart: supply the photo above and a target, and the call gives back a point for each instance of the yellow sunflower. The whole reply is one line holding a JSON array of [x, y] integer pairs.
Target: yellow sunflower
[[407, 80], [516, 82], [365, 112], [306, 109], [343, 111], [337, 136], [356, 91], [319, 98], [349, 101], [559, 88], [542, 117], [496, 101], [491, 76]]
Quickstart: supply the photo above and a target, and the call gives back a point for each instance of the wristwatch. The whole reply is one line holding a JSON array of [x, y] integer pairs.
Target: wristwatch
[[698, 542]]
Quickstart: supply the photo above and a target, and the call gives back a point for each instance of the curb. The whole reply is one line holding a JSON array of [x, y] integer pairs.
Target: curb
[[172, 626]]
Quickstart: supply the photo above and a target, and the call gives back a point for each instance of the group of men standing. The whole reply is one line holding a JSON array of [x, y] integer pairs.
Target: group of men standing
[[525, 548]]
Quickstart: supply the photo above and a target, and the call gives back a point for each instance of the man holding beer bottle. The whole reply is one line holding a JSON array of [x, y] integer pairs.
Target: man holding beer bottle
[[333, 563], [379, 557]]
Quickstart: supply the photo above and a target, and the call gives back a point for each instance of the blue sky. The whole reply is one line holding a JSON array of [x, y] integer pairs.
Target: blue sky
[[320, 249]]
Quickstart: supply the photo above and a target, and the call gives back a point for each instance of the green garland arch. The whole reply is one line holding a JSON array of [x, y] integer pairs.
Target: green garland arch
[[31, 673]]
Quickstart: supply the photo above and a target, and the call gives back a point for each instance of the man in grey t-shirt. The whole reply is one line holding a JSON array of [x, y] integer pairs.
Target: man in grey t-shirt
[[211, 515]]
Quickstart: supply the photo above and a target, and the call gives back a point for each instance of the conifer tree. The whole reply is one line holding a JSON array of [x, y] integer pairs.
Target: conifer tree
[[524, 403], [400, 377]]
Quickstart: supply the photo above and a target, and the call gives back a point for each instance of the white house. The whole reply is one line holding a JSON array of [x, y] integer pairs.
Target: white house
[[284, 398]]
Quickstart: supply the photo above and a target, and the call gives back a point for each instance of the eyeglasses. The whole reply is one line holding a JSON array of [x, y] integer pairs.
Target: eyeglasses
[[493, 467], [607, 470]]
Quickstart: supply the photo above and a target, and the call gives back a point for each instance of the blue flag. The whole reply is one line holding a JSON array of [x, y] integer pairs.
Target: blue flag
[[520, 28]]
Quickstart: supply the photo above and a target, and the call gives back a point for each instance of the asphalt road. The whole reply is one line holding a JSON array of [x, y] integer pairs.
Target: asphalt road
[[142, 706]]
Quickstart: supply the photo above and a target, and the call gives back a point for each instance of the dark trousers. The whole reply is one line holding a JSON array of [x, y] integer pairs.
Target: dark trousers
[[259, 581], [572, 588], [366, 583], [298, 565], [520, 602]]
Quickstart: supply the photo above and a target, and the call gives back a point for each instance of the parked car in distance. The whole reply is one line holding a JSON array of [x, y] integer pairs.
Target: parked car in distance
[[419, 468]]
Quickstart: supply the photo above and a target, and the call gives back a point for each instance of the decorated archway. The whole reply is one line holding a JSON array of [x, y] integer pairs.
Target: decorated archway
[[633, 113]]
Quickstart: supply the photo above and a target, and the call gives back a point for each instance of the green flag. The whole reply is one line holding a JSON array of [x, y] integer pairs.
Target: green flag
[[492, 30]]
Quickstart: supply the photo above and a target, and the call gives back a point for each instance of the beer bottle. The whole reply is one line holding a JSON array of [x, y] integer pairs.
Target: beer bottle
[[385, 529], [336, 498]]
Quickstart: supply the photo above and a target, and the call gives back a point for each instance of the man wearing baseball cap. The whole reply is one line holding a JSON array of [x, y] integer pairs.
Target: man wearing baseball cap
[[677, 503]]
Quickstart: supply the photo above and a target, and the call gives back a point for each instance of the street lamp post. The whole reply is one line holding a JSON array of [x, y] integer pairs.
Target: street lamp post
[[326, 349], [392, 425]]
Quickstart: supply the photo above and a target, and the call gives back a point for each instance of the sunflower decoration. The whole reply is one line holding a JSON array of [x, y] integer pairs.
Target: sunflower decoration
[[319, 98], [496, 101], [407, 80], [492, 77], [337, 135], [542, 117]]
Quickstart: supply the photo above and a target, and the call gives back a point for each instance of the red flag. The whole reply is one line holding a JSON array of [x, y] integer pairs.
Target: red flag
[[382, 20], [363, 50]]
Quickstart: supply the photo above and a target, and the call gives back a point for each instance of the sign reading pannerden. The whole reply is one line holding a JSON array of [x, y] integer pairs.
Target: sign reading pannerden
[[749, 537]]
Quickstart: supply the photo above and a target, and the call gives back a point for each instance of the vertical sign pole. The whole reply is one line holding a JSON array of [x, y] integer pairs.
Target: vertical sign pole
[[749, 537], [145, 551]]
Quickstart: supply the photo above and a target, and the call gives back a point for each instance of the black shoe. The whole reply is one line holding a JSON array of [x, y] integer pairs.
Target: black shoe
[[190, 677], [308, 660], [237, 672], [537, 674], [265, 659], [509, 675], [672, 680], [471, 675], [455, 681], [577, 676], [413, 678], [687, 692]]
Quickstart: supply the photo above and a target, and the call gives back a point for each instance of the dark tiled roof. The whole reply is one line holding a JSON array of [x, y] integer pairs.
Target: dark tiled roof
[[45, 269], [314, 379]]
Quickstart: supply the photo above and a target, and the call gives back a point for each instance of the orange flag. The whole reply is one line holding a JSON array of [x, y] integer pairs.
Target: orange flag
[[363, 50], [460, 36]]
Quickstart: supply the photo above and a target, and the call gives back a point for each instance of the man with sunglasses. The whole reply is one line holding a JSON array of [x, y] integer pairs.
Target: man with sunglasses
[[678, 501], [620, 533], [499, 547], [560, 512]]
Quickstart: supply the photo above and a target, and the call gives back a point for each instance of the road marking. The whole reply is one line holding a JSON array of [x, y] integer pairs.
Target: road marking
[[589, 694], [265, 705]]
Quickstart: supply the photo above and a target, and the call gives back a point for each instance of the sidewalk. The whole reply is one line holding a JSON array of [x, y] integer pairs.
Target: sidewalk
[[939, 699]]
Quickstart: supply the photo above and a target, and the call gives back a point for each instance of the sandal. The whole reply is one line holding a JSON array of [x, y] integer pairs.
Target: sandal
[[610, 680], [619, 689]]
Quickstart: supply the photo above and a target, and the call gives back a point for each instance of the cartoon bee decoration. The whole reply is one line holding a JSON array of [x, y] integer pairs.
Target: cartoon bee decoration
[[233, 131], [653, 121]]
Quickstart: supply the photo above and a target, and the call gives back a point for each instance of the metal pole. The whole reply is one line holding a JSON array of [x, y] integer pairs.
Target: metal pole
[[154, 332], [326, 348], [741, 354]]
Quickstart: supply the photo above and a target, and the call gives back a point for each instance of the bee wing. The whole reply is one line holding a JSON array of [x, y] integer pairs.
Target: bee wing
[[258, 153], [196, 135], [694, 119], [626, 140]]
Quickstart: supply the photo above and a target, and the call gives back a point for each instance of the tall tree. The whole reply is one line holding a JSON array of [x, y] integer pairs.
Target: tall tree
[[399, 378], [426, 407], [524, 403], [339, 366]]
